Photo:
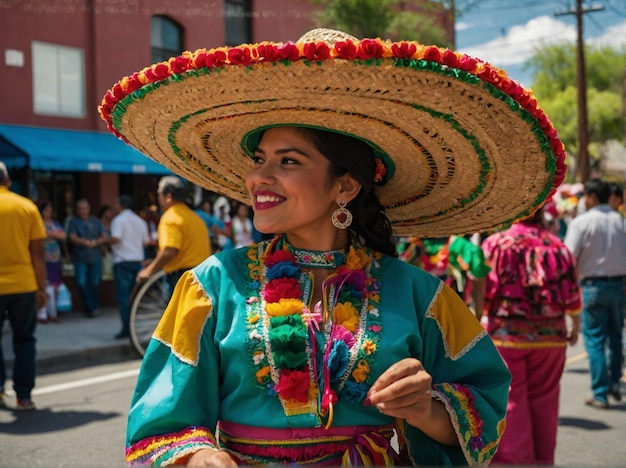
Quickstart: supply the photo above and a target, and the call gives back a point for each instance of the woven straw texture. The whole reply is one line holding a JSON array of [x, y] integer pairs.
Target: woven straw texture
[[465, 160]]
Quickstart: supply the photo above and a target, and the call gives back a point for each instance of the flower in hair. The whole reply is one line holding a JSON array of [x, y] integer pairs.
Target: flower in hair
[[380, 171]]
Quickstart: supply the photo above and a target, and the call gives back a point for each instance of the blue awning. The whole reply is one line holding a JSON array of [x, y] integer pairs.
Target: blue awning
[[48, 149]]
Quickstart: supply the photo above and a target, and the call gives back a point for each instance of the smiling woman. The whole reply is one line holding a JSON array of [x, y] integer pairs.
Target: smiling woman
[[316, 346]]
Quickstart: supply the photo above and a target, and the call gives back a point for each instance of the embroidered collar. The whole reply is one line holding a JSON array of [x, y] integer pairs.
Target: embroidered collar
[[314, 258]]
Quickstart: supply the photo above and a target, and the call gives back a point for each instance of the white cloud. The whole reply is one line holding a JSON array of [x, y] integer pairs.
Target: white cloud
[[614, 37], [518, 44], [462, 26]]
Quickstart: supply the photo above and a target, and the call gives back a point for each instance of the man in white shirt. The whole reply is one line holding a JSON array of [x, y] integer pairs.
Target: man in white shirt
[[597, 238], [129, 235]]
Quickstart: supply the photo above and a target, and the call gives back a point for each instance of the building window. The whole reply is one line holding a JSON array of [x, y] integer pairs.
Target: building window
[[58, 80], [166, 39], [237, 22]]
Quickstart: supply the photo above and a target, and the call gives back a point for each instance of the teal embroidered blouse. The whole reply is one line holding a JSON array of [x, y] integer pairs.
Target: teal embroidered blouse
[[207, 362]]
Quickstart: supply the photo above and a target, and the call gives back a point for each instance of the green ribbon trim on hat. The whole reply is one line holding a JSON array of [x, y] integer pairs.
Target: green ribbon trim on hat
[[251, 139], [551, 162]]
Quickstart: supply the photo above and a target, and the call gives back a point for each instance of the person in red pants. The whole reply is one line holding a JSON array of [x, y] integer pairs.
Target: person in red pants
[[531, 288]]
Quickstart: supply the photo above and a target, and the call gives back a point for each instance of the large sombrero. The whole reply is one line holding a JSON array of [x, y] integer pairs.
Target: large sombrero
[[464, 148]]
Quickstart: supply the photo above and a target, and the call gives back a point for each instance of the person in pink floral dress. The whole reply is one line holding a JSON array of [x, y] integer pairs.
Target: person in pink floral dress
[[528, 293]]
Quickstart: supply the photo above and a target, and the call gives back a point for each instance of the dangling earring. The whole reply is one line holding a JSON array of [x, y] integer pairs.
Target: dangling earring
[[342, 218]]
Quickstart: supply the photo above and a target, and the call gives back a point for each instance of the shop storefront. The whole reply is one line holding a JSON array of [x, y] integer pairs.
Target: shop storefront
[[62, 166]]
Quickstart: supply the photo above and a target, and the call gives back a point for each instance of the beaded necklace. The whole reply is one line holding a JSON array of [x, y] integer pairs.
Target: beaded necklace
[[306, 379]]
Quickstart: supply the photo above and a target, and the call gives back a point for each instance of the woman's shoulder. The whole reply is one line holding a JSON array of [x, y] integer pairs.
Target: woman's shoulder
[[230, 262], [398, 270]]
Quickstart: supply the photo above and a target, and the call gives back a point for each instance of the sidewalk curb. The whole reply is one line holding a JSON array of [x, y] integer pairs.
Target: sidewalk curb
[[75, 342], [88, 357], [72, 359]]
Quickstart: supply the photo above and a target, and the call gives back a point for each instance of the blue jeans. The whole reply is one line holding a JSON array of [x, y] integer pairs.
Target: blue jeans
[[125, 278], [603, 322], [88, 276], [20, 310]]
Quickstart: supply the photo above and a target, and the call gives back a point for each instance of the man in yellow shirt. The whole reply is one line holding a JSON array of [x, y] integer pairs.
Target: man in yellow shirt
[[22, 285], [183, 237]]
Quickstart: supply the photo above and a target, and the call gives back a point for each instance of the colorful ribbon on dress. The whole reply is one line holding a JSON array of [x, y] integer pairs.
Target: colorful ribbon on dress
[[338, 446]]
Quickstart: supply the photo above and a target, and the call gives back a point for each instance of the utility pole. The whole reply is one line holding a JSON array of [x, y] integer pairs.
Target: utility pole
[[582, 165]]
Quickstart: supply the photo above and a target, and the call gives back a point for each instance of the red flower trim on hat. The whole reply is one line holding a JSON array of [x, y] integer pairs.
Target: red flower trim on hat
[[370, 49], [365, 49], [403, 49], [240, 56], [289, 51], [346, 50], [182, 63], [316, 51]]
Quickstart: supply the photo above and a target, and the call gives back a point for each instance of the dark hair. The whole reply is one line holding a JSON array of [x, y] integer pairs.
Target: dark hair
[[125, 202], [202, 202], [81, 201], [599, 188], [351, 155], [43, 205], [103, 209], [536, 218], [616, 189]]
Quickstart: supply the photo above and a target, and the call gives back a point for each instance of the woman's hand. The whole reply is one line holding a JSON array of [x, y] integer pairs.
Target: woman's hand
[[211, 457], [403, 391]]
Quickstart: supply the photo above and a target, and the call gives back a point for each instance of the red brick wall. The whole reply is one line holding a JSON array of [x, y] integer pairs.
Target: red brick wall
[[20, 24], [115, 37], [280, 20]]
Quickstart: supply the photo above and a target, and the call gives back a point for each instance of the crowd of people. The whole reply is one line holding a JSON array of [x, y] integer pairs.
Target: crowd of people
[[541, 276], [128, 245], [136, 243], [312, 337]]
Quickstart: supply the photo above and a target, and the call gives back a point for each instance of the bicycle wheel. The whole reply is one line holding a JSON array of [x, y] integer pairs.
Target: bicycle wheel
[[147, 307]]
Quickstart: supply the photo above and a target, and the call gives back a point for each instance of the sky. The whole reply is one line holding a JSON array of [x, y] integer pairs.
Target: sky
[[505, 32]]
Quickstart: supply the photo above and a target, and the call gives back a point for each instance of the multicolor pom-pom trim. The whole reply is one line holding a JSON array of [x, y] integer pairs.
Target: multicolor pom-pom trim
[[249, 55]]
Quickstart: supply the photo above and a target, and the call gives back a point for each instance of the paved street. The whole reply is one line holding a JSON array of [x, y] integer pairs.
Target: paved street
[[80, 422], [83, 399], [588, 436]]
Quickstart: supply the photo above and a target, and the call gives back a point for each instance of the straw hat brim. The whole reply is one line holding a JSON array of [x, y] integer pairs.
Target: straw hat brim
[[468, 149]]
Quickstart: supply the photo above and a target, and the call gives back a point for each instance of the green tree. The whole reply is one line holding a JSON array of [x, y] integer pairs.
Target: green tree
[[388, 19], [422, 28], [554, 84], [554, 68]]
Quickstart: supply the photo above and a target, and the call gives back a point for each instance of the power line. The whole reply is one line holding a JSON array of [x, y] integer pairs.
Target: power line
[[582, 166]]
